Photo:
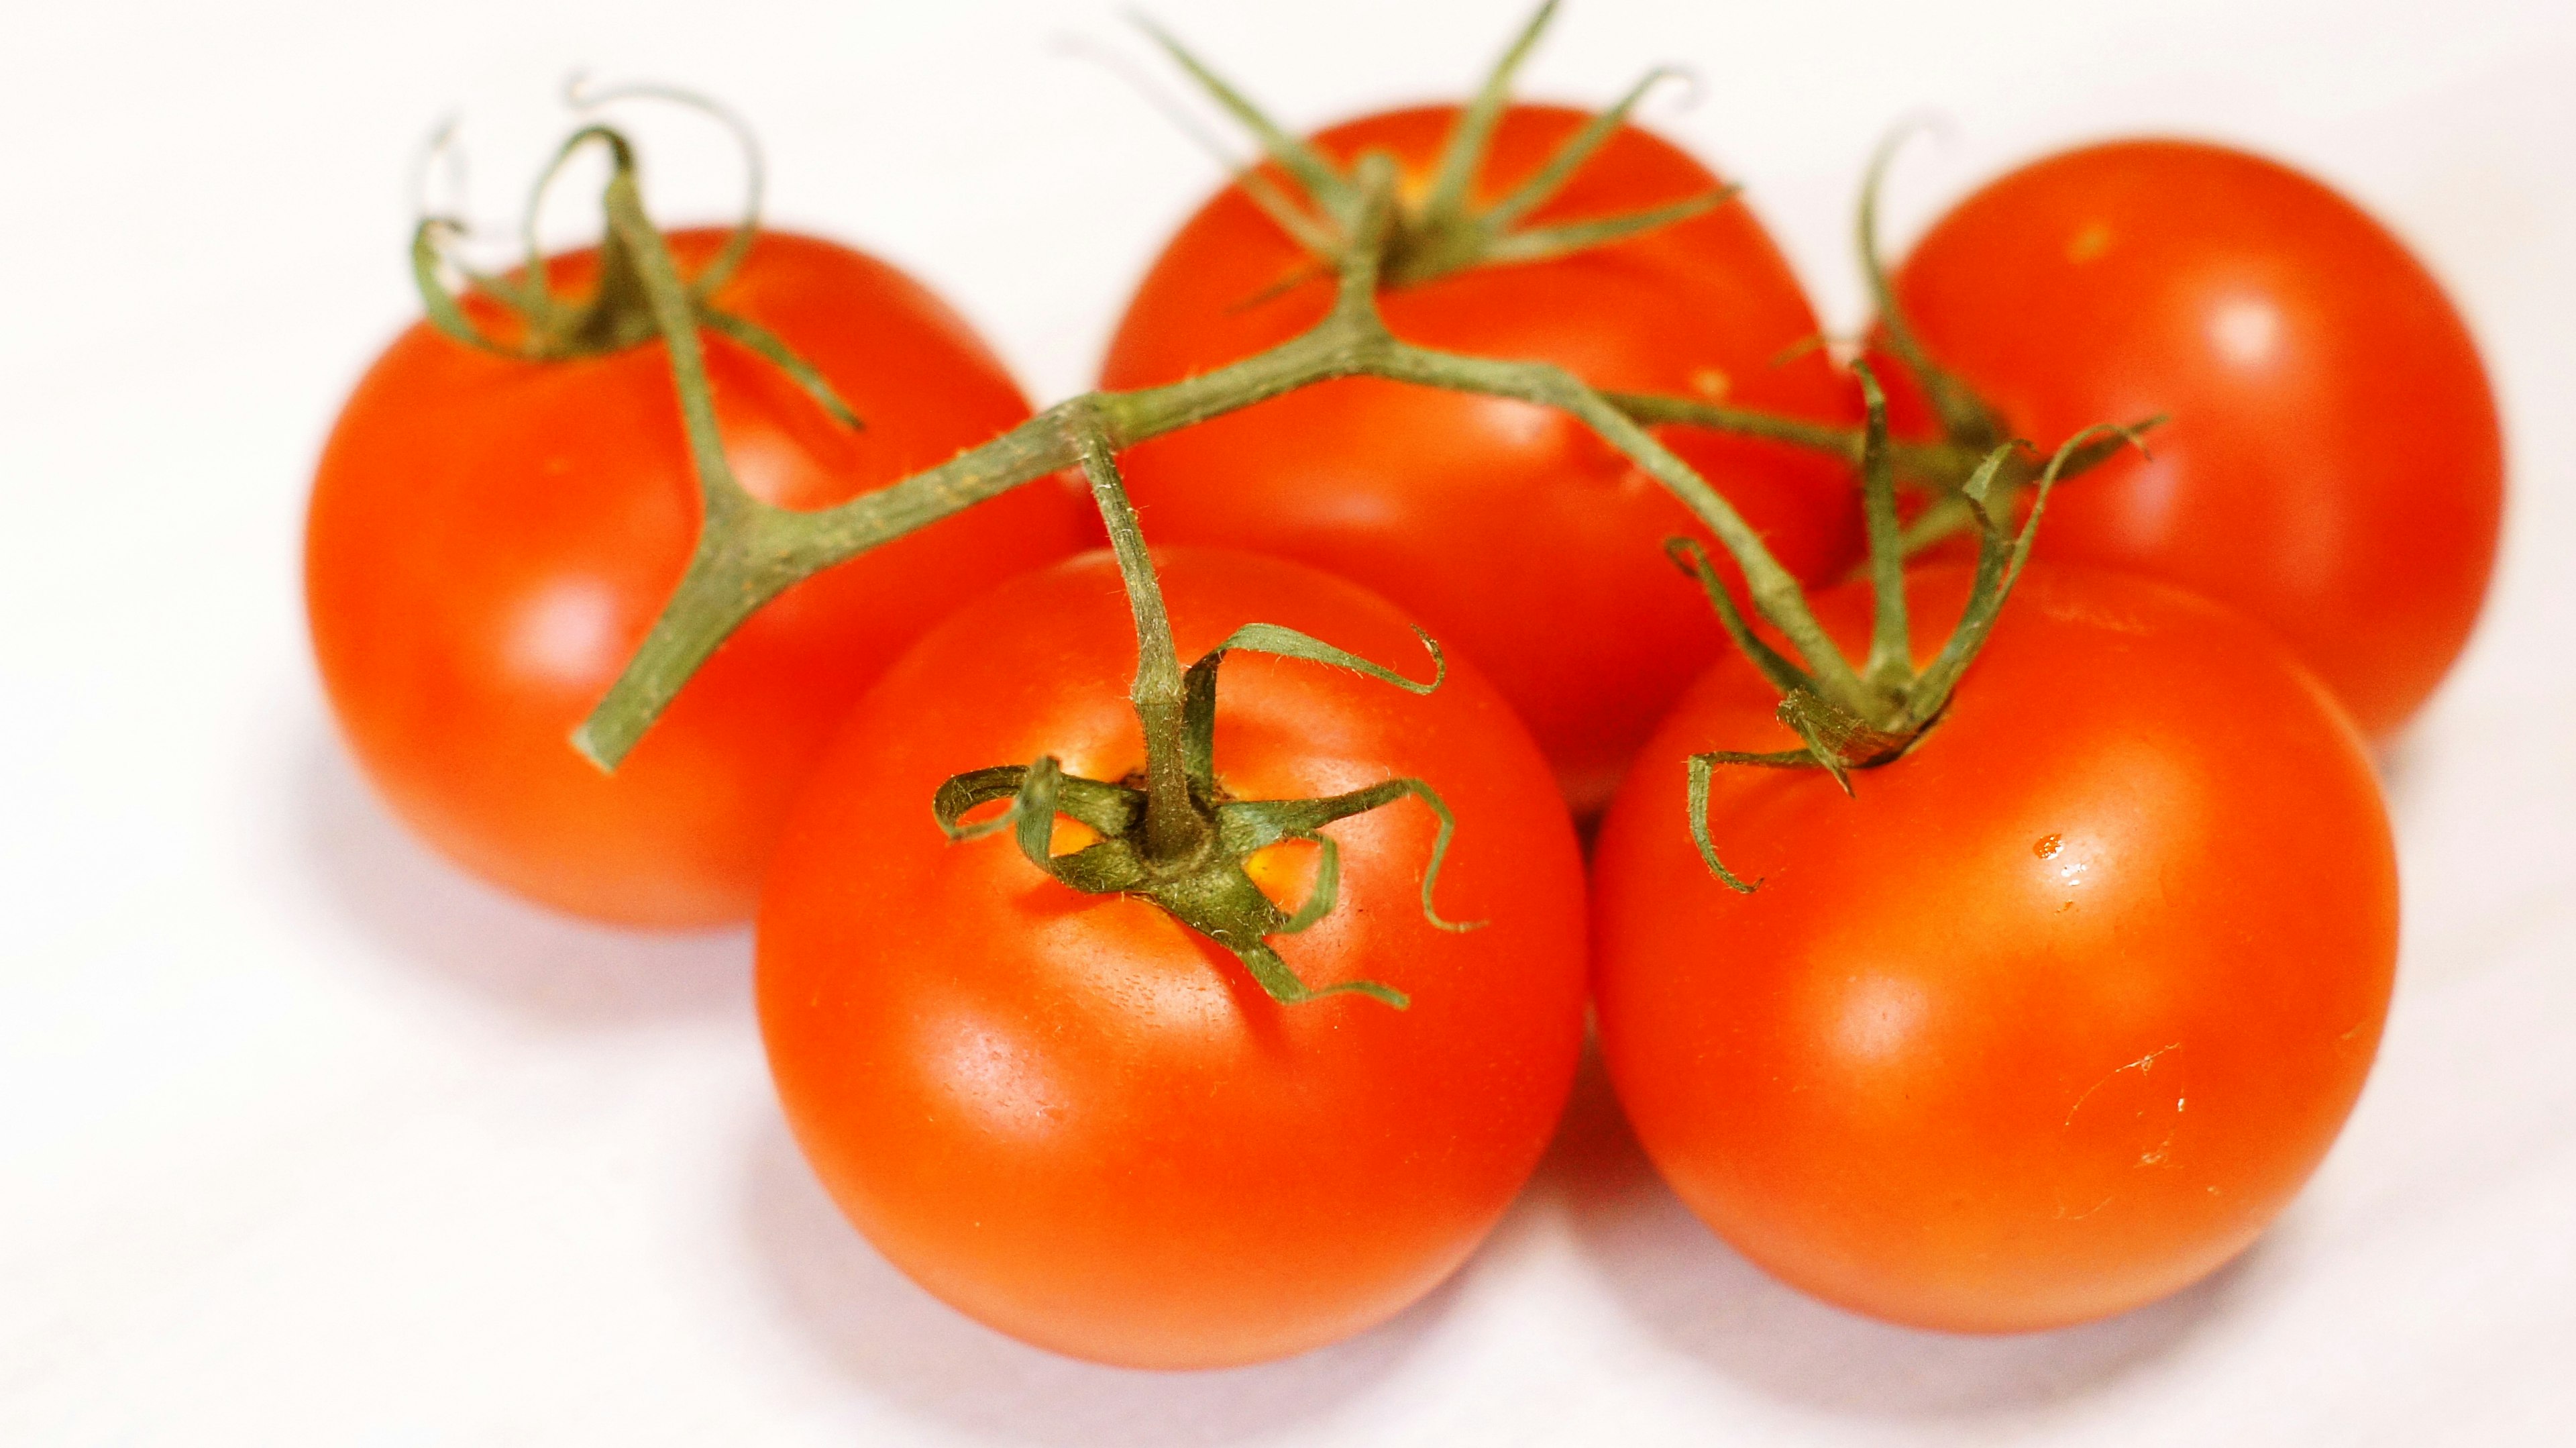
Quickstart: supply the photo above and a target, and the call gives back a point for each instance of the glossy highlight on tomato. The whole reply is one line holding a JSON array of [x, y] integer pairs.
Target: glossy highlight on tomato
[[2057, 1013], [489, 539], [1082, 1123], [2332, 465], [1518, 537]]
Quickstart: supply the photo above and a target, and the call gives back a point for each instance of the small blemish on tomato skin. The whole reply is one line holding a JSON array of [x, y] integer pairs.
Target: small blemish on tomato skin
[[2048, 845], [2089, 243]]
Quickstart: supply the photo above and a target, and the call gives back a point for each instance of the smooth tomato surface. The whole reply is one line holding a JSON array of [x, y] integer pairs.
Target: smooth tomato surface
[[2053, 1017], [1084, 1124], [489, 539], [1513, 533], [2332, 465]]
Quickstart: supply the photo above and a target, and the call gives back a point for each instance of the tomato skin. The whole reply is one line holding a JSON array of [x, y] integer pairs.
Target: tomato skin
[[1515, 534], [490, 539], [2055, 1015], [2333, 464], [1075, 1119]]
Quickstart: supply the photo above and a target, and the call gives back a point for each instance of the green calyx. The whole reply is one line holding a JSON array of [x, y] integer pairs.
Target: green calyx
[[1177, 838], [1848, 719], [1210, 889], [1441, 231], [619, 311]]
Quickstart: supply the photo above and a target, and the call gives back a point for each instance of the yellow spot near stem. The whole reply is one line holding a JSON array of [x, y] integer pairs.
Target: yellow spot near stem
[[2089, 243], [1285, 872], [1711, 383], [1070, 835]]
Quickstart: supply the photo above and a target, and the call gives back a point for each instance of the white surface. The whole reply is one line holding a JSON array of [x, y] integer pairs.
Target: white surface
[[304, 1140]]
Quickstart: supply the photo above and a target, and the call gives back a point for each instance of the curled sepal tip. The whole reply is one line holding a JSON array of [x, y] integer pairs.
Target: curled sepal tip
[[1198, 685], [1327, 891], [1043, 790], [1282, 985], [1288, 643], [1244, 826], [1439, 856], [1702, 766]]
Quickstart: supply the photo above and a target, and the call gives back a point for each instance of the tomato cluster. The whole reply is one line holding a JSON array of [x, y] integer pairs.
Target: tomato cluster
[[1988, 944]]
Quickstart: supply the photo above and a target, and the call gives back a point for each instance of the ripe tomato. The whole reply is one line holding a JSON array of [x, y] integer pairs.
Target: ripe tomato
[[2332, 465], [2057, 1013], [1077, 1120], [489, 539], [1516, 535]]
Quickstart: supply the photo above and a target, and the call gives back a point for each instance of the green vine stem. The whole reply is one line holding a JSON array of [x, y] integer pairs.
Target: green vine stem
[[1179, 840], [1173, 828], [750, 551]]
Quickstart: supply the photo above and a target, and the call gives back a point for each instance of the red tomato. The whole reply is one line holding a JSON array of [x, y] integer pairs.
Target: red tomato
[[489, 539], [2057, 1013], [2332, 465], [1518, 537], [1077, 1120]]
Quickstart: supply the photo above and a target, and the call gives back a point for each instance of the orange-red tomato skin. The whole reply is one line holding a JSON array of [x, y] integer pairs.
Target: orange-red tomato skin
[[1078, 1121], [2054, 1016], [1516, 535], [490, 539], [2332, 464]]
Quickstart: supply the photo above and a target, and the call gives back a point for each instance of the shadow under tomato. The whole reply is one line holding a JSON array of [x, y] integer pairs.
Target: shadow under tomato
[[433, 917], [1693, 1291], [900, 1344]]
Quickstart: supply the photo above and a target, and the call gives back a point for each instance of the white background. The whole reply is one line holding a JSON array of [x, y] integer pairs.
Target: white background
[[305, 1140]]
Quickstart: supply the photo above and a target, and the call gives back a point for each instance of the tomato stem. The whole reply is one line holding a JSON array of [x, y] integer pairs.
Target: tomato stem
[[1965, 418], [650, 257], [1891, 665], [1174, 827], [749, 551]]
